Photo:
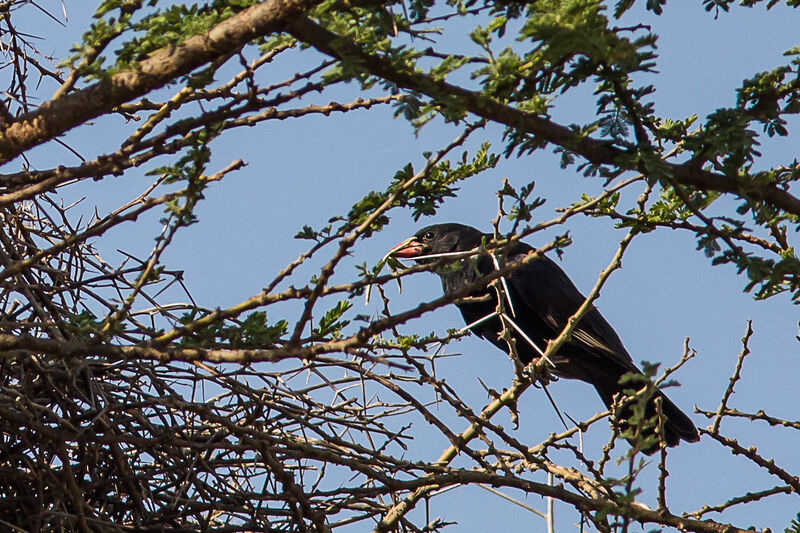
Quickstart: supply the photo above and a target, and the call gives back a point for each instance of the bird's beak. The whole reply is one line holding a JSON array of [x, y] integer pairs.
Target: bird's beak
[[407, 249]]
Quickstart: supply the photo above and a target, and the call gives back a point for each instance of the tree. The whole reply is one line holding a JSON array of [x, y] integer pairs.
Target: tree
[[128, 405]]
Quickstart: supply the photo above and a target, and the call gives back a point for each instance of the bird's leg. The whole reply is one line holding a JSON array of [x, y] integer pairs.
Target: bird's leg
[[533, 345], [505, 332], [540, 373]]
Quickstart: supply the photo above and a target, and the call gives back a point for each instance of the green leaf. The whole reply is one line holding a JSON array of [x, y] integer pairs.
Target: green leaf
[[331, 323]]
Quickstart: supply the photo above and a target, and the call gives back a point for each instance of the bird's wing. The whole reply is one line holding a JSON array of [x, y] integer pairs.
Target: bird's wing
[[546, 292]]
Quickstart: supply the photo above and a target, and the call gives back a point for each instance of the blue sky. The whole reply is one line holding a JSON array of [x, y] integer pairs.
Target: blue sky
[[305, 171]]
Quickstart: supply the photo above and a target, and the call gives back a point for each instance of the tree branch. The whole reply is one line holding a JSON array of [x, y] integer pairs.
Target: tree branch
[[56, 117], [593, 150]]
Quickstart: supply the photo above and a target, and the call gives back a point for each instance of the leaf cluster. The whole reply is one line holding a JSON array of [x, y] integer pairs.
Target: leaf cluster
[[141, 36], [331, 323], [254, 332]]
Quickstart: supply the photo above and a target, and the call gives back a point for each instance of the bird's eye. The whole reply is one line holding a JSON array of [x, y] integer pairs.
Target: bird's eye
[[428, 235]]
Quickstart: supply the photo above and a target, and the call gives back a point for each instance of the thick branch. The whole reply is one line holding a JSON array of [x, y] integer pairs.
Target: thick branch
[[57, 117], [583, 503], [595, 151]]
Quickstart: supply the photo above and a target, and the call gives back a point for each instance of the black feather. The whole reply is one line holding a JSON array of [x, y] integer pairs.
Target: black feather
[[543, 300]]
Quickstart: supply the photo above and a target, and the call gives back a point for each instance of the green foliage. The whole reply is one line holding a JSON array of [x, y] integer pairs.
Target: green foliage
[[673, 130], [562, 44], [724, 5], [310, 233], [446, 66], [84, 326], [331, 324], [605, 206], [106, 6], [574, 41], [770, 276], [502, 77], [794, 527], [188, 168], [522, 208], [504, 63], [159, 28], [656, 6], [252, 333], [671, 207], [418, 9], [524, 56], [640, 427], [371, 30]]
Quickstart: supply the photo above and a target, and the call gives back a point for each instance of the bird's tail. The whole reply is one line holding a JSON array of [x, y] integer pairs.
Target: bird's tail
[[677, 426]]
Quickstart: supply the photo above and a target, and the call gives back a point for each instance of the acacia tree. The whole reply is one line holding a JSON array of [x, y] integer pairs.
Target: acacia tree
[[126, 405]]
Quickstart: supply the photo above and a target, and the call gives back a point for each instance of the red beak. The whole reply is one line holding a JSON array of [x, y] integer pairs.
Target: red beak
[[407, 249]]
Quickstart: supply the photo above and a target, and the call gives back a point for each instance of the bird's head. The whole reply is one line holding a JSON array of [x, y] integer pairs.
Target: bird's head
[[437, 239]]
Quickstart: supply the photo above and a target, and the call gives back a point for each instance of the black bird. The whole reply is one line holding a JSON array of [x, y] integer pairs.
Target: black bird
[[543, 298]]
